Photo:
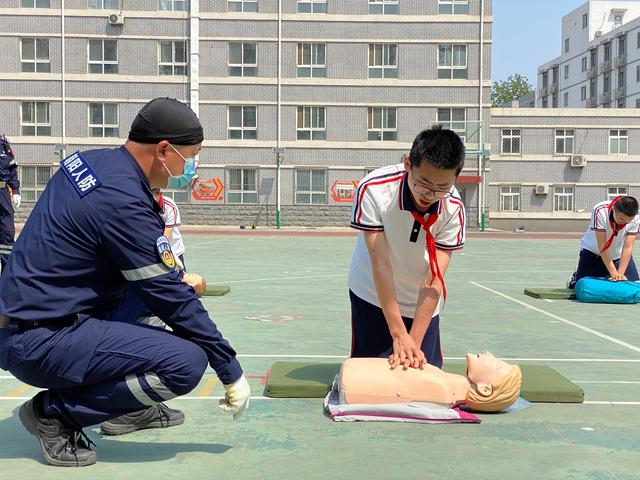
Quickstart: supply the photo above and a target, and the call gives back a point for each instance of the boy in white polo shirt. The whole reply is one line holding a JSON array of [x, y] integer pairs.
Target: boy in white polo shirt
[[171, 224], [606, 248], [411, 219]]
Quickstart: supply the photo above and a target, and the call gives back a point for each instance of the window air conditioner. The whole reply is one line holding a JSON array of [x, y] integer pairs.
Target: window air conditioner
[[116, 18], [578, 160], [542, 189]]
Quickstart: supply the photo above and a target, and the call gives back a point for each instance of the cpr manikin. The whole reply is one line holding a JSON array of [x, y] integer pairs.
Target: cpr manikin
[[490, 385]]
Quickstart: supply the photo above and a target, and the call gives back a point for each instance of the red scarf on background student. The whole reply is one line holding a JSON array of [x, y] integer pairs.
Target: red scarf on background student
[[431, 248], [613, 225]]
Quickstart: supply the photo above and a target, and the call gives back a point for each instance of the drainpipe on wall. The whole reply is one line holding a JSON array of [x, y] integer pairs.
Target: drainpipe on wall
[[194, 56], [481, 189]]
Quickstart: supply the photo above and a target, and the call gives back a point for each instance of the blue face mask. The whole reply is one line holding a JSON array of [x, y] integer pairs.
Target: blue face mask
[[177, 182]]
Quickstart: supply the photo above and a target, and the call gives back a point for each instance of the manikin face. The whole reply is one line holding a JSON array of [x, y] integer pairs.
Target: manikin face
[[484, 368]]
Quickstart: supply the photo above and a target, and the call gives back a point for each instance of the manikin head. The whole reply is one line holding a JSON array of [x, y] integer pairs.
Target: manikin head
[[495, 384]]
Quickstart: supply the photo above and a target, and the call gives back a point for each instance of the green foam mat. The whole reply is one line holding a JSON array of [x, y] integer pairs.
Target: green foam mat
[[216, 290], [540, 384], [301, 379], [551, 293]]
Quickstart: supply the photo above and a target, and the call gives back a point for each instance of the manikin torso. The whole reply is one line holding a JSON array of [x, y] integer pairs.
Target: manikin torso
[[371, 381]]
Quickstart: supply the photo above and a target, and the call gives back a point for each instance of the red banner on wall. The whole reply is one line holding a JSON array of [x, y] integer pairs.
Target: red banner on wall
[[207, 189], [344, 191]]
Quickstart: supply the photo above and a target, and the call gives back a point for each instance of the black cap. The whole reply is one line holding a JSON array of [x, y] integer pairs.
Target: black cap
[[166, 119]]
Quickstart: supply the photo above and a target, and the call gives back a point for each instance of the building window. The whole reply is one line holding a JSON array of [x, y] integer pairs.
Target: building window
[[242, 60], [36, 119], [103, 120], [173, 58], [563, 199], [564, 141], [638, 73], [311, 60], [584, 64], [583, 93], [310, 123], [454, 119], [618, 142], [35, 3], [311, 187], [104, 4], [33, 180], [511, 141], [182, 195], [453, 7], [103, 56], [585, 20], [242, 122], [565, 99], [452, 61], [382, 124], [242, 186], [566, 72], [383, 7], [566, 45], [637, 102], [242, 5], [613, 192], [510, 199], [173, 5], [638, 42], [34, 55], [383, 60], [312, 6]]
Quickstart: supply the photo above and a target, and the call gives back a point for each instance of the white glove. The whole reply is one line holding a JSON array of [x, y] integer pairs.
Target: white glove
[[16, 200], [236, 399]]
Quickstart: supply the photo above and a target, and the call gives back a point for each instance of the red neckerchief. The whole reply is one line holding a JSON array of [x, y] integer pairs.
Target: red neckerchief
[[431, 248], [161, 201], [613, 225]]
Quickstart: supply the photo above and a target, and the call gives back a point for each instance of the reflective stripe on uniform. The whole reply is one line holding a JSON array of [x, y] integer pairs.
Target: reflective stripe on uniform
[[160, 388], [145, 273], [136, 389]]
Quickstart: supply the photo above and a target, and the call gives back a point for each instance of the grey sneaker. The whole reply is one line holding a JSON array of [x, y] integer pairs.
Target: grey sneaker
[[61, 444], [157, 416]]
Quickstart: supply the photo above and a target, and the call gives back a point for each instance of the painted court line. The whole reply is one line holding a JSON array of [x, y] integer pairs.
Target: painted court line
[[564, 320], [588, 402], [269, 279], [516, 359]]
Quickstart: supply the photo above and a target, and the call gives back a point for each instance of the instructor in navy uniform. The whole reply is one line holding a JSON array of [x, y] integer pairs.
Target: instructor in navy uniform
[[95, 235], [9, 199]]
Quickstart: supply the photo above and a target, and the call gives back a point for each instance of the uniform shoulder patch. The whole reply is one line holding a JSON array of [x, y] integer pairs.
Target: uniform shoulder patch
[[166, 254]]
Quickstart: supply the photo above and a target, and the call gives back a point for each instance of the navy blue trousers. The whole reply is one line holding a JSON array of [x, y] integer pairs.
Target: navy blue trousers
[[591, 265], [371, 337], [99, 369], [7, 227]]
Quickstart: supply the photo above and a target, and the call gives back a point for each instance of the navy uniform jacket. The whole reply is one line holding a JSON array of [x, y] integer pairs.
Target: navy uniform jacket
[[91, 238], [8, 167]]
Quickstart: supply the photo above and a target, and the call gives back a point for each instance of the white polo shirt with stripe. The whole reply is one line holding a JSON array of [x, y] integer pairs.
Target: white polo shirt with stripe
[[383, 203], [601, 221], [172, 219]]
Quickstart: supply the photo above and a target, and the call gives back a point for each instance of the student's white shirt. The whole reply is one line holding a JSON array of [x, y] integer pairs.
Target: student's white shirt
[[172, 219], [601, 222], [383, 204]]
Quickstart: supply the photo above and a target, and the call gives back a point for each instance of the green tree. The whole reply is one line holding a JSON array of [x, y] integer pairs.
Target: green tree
[[510, 89]]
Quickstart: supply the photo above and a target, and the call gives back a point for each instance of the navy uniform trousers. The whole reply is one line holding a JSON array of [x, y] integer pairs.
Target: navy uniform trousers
[[97, 369]]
